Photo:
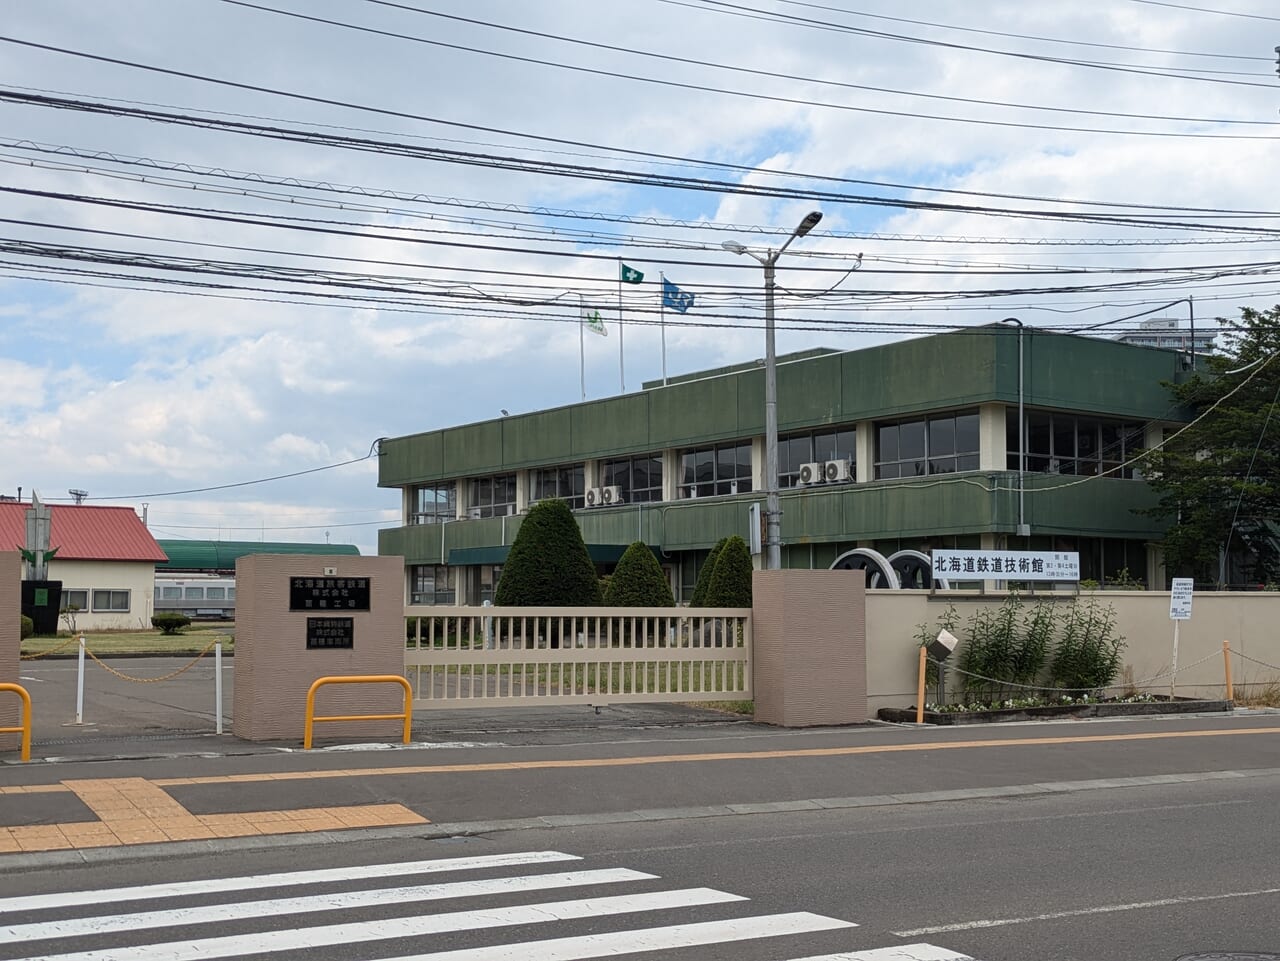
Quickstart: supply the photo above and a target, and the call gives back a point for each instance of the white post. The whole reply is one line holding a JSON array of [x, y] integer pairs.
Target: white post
[[1173, 675], [80, 684], [217, 686]]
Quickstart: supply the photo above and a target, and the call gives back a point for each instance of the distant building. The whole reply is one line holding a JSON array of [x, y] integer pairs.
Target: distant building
[[1168, 333], [106, 560]]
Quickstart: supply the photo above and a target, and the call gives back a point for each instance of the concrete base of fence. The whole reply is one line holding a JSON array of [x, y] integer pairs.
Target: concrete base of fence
[[274, 664], [10, 643], [810, 660]]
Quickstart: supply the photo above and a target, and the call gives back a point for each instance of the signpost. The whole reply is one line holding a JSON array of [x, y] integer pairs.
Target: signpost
[[1179, 611]]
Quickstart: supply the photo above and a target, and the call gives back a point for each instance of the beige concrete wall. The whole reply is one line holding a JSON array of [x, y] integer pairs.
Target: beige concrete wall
[[1250, 621], [274, 669], [810, 655], [10, 641], [136, 577]]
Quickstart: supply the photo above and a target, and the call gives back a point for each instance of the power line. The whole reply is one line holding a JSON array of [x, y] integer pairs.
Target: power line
[[1220, 13]]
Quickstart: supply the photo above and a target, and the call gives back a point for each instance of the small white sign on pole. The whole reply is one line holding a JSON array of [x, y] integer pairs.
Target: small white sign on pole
[[1180, 599]]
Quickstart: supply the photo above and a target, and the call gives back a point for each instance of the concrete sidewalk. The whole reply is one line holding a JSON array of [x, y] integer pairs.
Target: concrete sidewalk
[[146, 713]]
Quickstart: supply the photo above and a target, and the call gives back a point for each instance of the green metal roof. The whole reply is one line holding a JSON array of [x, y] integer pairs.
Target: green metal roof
[[222, 555]]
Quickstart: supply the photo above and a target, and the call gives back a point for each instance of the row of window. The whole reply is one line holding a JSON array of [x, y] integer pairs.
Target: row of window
[[912, 447], [97, 600], [432, 584], [195, 593]]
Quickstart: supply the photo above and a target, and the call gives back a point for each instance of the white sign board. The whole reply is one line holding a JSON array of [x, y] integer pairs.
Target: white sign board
[[1180, 599], [1007, 565]]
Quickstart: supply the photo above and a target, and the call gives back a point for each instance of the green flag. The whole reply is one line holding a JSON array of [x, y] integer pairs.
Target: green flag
[[630, 275], [595, 323]]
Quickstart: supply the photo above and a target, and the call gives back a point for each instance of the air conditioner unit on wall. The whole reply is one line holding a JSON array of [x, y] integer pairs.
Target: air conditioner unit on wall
[[812, 473], [595, 497], [612, 495], [473, 513], [838, 470]]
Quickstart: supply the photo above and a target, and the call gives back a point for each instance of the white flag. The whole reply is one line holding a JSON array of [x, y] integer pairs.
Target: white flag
[[595, 323]]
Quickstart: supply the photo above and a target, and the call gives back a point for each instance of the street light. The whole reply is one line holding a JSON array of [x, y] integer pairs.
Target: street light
[[773, 538]]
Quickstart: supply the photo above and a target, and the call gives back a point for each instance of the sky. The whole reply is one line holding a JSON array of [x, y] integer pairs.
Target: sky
[[240, 241]]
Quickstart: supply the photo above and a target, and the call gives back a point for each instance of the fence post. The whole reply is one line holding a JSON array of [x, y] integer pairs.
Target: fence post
[[924, 657], [1226, 661], [217, 685], [80, 683]]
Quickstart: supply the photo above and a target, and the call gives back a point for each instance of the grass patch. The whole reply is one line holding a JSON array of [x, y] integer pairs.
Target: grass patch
[[1266, 694], [744, 708], [192, 640]]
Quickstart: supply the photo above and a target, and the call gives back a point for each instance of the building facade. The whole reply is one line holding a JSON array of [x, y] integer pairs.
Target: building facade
[[912, 445]]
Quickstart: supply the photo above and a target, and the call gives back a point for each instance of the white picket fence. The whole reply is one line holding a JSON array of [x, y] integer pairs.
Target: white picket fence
[[460, 657]]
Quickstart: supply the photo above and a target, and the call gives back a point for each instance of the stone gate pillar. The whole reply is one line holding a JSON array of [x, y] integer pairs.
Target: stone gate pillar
[[809, 631], [300, 617]]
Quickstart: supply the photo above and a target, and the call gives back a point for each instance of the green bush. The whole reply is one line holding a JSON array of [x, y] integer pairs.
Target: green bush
[[731, 580], [1087, 656], [638, 581], [28, 627], [170, 622], [548, 565], [699, 598]]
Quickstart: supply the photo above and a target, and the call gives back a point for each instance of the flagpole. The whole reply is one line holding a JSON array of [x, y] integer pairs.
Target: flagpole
[[662, 322], [622, 377], [582, 349]]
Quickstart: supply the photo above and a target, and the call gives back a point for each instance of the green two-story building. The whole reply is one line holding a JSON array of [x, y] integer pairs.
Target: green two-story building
[[911, 445]]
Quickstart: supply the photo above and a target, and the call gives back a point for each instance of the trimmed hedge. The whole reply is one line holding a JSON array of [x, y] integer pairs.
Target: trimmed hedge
[[170, 622], [699, 598], [731, 580], [27, 628], [548, 565], [638, 581]]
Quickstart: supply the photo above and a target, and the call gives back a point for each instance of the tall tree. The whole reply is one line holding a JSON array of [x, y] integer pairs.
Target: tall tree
[[699, 598], [1219, 479]]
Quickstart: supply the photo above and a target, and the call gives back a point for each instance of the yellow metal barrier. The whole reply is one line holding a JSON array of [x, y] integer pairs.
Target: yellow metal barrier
[[25, 728], [320, 682]]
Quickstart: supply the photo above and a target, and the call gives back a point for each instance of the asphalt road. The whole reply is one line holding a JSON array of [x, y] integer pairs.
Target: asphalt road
[[1094, 841]]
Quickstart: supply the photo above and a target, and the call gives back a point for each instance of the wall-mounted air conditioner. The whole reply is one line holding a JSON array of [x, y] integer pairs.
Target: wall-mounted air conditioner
[[612, 495], [595, 497], [838, 471], [812, 473], [473, 513]]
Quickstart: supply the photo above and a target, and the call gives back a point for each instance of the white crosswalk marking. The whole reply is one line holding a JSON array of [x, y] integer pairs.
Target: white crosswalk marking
[[33, 902], [202, 914], [304, 920]]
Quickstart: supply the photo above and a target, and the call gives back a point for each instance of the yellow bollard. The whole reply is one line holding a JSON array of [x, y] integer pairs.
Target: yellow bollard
[[1226, 660], [25, 727], [924, 658]]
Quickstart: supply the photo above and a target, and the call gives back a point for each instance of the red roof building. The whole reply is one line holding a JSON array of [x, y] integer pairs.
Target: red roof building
[[84, 533]]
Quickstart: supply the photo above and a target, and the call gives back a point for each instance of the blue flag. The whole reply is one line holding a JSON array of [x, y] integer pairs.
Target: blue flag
[[675, 298]]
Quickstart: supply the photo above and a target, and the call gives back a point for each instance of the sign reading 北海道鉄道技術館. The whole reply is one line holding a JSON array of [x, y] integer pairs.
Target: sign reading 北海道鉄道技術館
[[1007, 565]]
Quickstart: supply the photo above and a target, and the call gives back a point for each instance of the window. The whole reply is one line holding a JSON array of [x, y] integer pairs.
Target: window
[[429, 584], [171, 593], [215, 593], [566, 483], [193, 593], [435, 504], [114, 601], [75, 599], [723, 469], [492, 496], [639, 477], [935, 445], [1068, 444], [795, 450], [486, 582]]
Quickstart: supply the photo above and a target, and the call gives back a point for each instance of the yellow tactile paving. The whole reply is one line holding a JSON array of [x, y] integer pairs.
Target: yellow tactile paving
[[138, 811], [34, 789]]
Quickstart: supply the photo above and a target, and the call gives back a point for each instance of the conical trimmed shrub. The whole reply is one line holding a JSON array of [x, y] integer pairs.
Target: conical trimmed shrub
[[699, 598], [548, 565], [731, 580], [638, 581]]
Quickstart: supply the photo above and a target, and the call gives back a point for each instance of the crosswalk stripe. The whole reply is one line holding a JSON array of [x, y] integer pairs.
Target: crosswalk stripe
[[615, 943], [34, 902], [898, 952], [206, 913], [268, 942]]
